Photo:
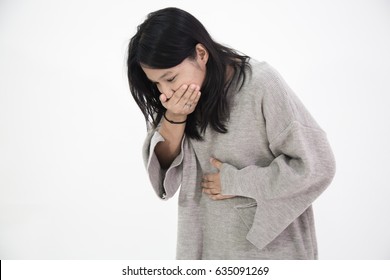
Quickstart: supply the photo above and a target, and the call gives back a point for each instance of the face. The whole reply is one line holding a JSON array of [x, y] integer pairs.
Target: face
[[190, 71]]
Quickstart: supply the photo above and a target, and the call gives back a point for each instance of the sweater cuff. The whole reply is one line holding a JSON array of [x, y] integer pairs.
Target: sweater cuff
[[164, 181], [231, 184]]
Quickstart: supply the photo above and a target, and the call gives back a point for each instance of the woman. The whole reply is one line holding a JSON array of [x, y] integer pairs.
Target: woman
[[248, 156]]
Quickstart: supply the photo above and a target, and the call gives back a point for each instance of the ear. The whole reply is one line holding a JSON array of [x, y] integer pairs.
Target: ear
[[202, 54]]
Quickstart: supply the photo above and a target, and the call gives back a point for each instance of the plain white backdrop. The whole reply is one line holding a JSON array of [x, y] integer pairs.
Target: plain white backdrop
[[72, 180]]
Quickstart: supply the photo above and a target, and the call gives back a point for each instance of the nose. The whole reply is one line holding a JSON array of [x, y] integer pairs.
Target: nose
[[166, 89]]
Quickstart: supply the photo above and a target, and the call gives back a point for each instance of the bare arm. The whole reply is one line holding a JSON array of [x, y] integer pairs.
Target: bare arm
[[181, 104]]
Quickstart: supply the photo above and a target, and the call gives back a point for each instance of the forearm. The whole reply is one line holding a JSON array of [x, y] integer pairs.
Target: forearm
[[179, 106], [166, 151]]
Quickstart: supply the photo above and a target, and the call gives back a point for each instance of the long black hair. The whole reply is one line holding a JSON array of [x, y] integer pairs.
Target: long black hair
[[164, 40]]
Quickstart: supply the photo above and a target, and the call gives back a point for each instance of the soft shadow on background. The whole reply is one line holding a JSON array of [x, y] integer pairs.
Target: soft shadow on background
[[72, 181]]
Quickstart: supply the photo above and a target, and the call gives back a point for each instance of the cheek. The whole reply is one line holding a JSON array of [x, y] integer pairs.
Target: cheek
[[198, 77], [190, 79], [176, 85], [159, 88]]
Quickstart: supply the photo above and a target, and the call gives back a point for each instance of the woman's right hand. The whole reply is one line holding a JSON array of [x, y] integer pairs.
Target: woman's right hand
[[182, 102]]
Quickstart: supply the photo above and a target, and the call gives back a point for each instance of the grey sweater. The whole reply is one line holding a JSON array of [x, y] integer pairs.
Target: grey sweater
[[277, 161]]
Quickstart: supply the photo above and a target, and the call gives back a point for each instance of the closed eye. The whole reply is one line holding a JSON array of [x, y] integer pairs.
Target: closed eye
[[171, 80]]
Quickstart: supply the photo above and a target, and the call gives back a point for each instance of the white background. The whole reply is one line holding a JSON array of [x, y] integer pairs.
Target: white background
[[72, 181]]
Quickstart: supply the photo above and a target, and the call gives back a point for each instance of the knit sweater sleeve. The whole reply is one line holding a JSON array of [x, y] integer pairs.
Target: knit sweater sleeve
[[165, 182], [302, 168]]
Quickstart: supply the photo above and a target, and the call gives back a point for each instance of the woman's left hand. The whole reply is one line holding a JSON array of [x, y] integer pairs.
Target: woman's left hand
[[211, 183]]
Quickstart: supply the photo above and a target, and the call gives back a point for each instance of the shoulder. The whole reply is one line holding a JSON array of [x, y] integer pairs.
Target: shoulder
[[261, 79], [262, 73], [264, 79], [251, 93], [258, 78]]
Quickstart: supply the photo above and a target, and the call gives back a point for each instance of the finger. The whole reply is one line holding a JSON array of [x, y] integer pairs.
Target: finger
[[210, 185], [177, 95], [210, 178], [220, 196], [216, 163], [207, 185], [207, 178], [185, 99], [194, 98], [211, 181], [211, 191]]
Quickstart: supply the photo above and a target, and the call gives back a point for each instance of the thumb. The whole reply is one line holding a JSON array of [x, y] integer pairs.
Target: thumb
[[216, 163]]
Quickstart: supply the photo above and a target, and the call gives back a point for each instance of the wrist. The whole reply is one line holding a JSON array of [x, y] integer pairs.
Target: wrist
[[175, 118]]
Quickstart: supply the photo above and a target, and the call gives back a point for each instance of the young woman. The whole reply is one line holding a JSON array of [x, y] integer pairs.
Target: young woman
[[248, 157]]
